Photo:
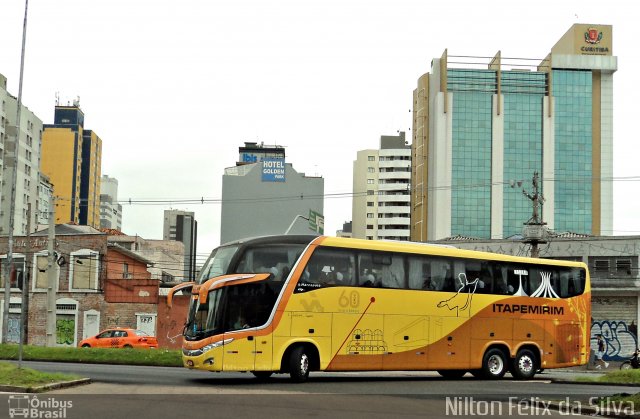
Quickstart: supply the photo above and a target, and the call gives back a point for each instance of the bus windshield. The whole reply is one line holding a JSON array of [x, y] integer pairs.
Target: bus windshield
[[231, 308], [217, 264]]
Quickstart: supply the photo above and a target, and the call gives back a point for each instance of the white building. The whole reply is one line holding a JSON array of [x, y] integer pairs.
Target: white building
[[264, 195], [381, 193], [45, 198], [110, 209], [28, 164]]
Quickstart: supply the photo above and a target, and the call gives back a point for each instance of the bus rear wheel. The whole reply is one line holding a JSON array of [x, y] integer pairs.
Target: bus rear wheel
[[494, 364], [299, 365], [453, 374], [524, 365]]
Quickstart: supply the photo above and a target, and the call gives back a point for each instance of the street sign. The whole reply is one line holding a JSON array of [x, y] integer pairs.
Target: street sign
[[316, 222]]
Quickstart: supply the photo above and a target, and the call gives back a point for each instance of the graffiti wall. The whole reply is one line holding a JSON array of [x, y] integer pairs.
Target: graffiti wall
[[65, 329], [620, 338]]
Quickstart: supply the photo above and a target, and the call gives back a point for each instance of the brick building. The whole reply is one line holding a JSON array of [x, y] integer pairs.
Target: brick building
[[99, 284]]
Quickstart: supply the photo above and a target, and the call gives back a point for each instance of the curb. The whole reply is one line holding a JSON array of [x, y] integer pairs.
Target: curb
[[562, 381], [45, 387]]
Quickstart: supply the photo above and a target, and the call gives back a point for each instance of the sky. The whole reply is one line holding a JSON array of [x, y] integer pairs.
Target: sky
[[173, 88]]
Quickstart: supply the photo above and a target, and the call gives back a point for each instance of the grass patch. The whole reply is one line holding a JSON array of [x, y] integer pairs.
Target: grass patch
[[11, 375], [153, 357], [616, 377]]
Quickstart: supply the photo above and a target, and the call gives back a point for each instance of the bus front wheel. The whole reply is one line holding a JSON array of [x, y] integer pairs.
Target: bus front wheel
[[524, 365], [299, 364], [494, 364]]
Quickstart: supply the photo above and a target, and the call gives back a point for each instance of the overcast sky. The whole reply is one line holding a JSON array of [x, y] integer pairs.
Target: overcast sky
[[173, 88]]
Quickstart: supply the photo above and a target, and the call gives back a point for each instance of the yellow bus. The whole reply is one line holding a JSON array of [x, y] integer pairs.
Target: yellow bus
[[294, 304]]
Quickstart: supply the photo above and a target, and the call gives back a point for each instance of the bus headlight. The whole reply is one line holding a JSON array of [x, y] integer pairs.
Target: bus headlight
[[200, 351]]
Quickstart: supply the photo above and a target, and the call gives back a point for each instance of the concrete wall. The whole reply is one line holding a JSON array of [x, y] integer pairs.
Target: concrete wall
[[251, 207]]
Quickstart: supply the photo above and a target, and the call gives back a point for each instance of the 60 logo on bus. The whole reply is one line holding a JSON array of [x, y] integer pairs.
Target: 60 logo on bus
[[349, 299]]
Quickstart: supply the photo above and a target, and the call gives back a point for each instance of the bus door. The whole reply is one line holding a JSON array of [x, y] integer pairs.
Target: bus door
[[247, 314], [250, 350]]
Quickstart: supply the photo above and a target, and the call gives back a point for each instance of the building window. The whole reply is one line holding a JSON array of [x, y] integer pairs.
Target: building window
[[370, 204], [371, 170], [370, 181], [601, 266], [83, 270], [623, 266], [17, 271], [371, 158], [125, 271], [370, 192], [40, 271], [369, 215]]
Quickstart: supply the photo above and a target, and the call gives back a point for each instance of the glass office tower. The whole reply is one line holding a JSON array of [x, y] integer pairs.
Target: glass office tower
[[480, 133]]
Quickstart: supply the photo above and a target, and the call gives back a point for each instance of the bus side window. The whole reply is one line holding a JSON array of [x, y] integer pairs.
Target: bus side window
[[368, 276], [419, 273], [500, 281], [393, 272]]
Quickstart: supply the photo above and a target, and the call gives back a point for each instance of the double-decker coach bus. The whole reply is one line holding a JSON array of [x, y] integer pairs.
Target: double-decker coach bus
[[294, 304]]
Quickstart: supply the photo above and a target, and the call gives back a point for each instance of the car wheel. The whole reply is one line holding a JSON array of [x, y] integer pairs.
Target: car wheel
[[127, 346], [453, 374], [494, 364], [525, 364], [299, 365], [86, 345], [262, 375]]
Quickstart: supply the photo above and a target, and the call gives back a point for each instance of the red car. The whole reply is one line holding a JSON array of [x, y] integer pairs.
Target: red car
[[120, 338]]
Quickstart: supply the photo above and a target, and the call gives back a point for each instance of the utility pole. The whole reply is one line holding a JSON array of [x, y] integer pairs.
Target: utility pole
[[534, 231], [14, 180], [51, 280], [24, 307]]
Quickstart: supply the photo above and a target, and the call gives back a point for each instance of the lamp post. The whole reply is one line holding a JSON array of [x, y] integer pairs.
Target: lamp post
[[14, 180]]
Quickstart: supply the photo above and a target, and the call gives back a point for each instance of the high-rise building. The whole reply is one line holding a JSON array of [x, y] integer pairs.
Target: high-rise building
[[28, 163], [45, 196], [110, 209], [264, 195], [182, 226], [72, 159], [478, 132], [381, 193]]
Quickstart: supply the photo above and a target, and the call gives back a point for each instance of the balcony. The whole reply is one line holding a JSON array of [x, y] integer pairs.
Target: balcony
[[394, 175], [394, 198], [404, 221]]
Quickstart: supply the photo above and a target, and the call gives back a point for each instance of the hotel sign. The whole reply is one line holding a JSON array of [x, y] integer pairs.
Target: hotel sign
[[273, 170]]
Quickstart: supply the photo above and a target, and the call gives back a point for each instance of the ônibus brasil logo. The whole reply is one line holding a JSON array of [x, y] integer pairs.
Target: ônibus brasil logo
[[26, 406]]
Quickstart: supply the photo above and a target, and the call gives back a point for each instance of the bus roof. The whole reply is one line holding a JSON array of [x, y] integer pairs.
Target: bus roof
[[282, 238], [434, 249]]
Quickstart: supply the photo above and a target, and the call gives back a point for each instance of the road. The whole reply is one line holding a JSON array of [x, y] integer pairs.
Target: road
[[156, 392]]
